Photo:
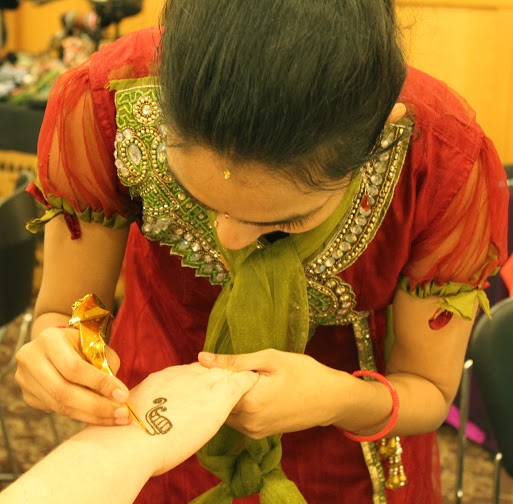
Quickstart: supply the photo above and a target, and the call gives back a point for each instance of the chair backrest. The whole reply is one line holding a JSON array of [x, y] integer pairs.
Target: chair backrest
[[17, 251], [491, 349]]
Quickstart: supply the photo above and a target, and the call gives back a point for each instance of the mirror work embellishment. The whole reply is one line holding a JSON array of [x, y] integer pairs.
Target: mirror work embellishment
[[174, 218], [170, 215], [332, 301]]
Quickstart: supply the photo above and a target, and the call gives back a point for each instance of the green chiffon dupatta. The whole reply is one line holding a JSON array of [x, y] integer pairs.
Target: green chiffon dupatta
[[265, 305]]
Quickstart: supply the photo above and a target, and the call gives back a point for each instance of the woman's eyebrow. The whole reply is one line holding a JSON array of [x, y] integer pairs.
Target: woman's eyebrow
[[281, 222]]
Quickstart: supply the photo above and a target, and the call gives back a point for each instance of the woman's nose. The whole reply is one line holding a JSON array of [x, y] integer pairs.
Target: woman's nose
[[235, 235]]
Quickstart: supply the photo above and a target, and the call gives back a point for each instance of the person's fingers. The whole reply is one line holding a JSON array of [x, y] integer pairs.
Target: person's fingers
[[87, 406], [73, 401], [75, 369], [232, 387], [257, 361], [54, 376], [62, 348], [48, 404], [242, 382], [73, 336]]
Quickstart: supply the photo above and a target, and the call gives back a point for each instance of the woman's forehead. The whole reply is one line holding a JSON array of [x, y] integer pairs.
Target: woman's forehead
[[250, 192]]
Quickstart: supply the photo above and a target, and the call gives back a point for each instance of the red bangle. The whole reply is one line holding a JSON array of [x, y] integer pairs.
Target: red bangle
[[393, 417]]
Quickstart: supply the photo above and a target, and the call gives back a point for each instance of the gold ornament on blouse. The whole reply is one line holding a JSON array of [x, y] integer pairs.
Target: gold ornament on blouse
[[92, 320], [391, 449]]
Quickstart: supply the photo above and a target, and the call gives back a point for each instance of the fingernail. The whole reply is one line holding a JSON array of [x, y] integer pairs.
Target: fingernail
[[120, 395], [207, 356], [121, 413]]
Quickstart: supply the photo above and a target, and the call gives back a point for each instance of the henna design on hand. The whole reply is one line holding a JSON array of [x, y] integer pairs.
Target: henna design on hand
[[158, 422]]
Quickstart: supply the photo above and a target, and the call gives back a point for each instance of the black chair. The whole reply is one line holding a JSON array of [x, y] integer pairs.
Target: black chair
[[17, 260], [491, 359], [491, 350], [17, 251]]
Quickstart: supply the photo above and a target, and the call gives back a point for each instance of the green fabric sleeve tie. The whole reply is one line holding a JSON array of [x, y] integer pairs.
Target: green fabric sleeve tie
[[60, 205], [38, 223], [457, 298]]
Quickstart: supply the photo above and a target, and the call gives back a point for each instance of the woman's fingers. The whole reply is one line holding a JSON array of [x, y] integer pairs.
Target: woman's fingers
[[235, 383], [80, 414], [72, 366], [234, 386], [261, 361], [54, 376], [112, 359], [71, 400]]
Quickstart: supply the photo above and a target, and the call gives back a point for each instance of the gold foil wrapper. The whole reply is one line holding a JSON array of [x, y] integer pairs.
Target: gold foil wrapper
[[92, 320]]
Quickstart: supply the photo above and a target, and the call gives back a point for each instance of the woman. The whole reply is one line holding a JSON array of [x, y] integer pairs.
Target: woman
[[300, 199]]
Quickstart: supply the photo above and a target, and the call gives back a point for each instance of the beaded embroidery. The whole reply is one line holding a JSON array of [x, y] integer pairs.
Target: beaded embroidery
[[169, 215], [332, 301], [173, 218]]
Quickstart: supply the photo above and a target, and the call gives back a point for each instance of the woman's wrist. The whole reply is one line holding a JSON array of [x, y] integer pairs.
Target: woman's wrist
[[46, 321], [363, 407], [369, 374], [119, 444]]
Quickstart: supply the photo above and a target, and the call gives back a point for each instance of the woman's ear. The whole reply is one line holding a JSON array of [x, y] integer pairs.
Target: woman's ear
[[397, 113]]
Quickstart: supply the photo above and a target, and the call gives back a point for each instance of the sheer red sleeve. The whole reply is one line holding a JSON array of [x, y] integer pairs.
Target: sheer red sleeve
[[76, 171], [464, 230]]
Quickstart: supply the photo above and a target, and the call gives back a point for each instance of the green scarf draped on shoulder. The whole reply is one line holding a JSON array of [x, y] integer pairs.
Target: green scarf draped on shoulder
[[265, 305]]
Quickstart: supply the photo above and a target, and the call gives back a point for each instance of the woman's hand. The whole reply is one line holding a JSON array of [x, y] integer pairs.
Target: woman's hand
[[54, 376], [197, 402], [294, 392]]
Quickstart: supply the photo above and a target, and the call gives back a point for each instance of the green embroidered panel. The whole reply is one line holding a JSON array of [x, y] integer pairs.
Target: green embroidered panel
[[170, 216]]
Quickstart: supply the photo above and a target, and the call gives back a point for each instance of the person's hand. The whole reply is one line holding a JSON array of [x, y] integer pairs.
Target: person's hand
[[294, 392], [192, 402], [54, 376], [197, 402]]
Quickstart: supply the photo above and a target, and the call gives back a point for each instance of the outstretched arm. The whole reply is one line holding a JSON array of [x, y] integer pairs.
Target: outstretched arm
[[111, 464]]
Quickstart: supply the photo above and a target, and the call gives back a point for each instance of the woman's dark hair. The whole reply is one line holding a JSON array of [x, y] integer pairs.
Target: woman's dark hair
[[303, 86]]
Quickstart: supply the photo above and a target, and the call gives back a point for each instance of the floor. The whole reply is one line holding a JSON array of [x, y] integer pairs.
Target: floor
[[478, 474]]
